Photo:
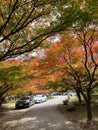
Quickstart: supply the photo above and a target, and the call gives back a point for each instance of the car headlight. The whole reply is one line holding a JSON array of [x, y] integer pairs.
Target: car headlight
[[27, 101]]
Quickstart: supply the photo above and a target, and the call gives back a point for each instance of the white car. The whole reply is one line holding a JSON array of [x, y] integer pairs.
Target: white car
[[71, 94], [40, 98]]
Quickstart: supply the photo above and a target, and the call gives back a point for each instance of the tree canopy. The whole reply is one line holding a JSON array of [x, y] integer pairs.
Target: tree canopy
[[24, 24]]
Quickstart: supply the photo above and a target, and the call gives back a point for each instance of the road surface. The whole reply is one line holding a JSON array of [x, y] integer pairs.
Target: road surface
[[43, 116]]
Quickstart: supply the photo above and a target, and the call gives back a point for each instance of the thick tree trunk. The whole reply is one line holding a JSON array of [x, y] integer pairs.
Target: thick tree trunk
[[87, 99], [89, 112]]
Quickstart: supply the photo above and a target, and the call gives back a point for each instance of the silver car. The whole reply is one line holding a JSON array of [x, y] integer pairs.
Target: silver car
[[40, 98]]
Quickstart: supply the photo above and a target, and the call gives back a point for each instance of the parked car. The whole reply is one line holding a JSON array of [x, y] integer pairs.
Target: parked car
[[56, 94], [25, 101], [71, 94], [40, 98]]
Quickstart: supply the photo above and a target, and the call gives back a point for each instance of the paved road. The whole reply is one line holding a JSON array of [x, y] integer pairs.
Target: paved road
[[44, 116]]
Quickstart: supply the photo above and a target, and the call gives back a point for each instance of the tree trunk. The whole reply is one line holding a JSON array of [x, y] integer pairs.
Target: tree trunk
[[87, 99], [88, 106], [1, 100], [79, 97]]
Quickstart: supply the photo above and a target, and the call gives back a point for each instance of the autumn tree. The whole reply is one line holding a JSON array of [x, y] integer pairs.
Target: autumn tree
[[86, 32], [24, 24], [85, 67], [16, 77], [88, 81], [76, 56]]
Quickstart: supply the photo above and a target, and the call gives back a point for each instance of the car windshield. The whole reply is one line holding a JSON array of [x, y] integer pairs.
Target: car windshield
[[39, 95], [24, 98]]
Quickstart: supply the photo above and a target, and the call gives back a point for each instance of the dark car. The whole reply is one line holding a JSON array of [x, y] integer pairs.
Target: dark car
[[24, 102]]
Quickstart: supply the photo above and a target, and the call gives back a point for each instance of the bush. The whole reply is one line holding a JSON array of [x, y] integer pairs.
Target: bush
[[65, 102], [71, 108]]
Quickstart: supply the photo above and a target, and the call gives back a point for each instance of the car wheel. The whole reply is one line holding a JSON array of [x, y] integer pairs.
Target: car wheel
[[16, 107], [29, 104]]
